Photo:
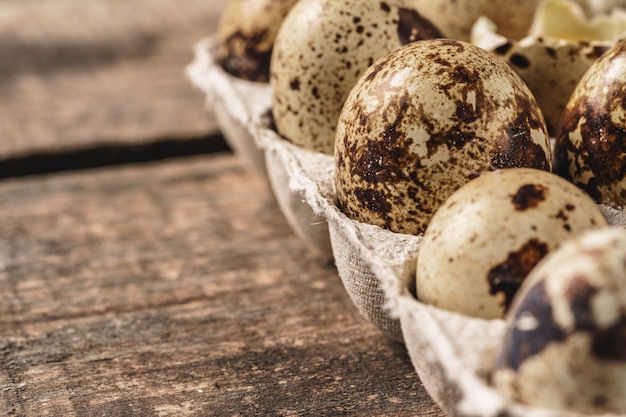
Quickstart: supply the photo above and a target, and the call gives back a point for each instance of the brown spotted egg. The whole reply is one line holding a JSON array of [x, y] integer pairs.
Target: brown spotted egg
[[423, 121], [565, 343], [487, 237], [590, 149], [321, 50], [456, 17], [246, 32]]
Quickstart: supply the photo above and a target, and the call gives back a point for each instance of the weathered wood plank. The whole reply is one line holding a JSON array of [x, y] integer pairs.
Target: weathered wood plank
[[177, 289], [74, 73]]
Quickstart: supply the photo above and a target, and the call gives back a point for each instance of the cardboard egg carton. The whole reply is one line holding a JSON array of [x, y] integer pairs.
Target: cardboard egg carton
[[453, 354]]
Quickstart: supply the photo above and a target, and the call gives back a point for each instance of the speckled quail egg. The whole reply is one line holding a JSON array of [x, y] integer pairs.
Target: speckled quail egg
[[246, 33], [487, 237], [560, 48], [590, 149], [320, 52], [456, 17], [426, 119], [565, 343]]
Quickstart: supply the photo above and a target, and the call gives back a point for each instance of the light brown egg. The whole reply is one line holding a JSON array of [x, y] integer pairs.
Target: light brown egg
[[456, 17], [423, 121], [487, 237], [590, 149], [320, 52], [564, 347], [246, 32]]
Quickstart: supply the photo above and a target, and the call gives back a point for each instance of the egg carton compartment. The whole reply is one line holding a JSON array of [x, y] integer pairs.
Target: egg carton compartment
[[453, 354], [294, 193], [243, 112], [234, 101]]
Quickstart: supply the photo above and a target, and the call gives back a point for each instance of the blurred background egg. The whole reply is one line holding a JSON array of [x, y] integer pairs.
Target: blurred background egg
[[456, 17], [565, 344], [246, 32], [321, 50], [423, 121], [487, 237], [559, 48], [590, 148]]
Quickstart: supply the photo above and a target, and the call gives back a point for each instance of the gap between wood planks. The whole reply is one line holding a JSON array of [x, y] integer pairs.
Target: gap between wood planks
[[109, 155]]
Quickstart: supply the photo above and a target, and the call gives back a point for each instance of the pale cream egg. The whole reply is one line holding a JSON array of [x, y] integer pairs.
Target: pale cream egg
[[320, 52], [488, 236]]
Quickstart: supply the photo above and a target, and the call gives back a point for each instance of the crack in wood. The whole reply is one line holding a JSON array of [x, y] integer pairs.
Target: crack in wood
[[109, 155]]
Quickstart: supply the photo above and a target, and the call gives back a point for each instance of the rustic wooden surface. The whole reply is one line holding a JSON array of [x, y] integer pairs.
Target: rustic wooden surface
[[177, 288], [164, 288], [77, 73]]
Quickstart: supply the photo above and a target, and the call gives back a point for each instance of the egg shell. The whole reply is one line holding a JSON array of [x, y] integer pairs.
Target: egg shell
[[455, 18], [594, 7], [321, 50], [590, 149], [246, 33], [487, 237], [423, 121], [550, 67], [565, 344]]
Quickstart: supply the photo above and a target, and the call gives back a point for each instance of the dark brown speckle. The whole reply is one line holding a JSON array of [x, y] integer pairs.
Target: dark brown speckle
[[504, 48], [506, 277], [579, 295], [413, 27], [253, 64], [607, 343], [528, 196], [610, 343], [519, 61], [522, 343]]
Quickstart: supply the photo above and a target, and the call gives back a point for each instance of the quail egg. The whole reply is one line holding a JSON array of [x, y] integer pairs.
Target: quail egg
[[321, 50], [456, 17], [426, 119], [487, 237], [561, 46], [246, 33], [590, 149], [565, 343]]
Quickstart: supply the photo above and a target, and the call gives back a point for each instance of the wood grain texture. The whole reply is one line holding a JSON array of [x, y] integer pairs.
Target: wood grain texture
[[77, 73], [170, 288], [177, 289]]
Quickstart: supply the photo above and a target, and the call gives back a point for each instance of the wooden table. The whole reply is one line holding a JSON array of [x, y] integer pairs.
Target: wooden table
[[144, 269]]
